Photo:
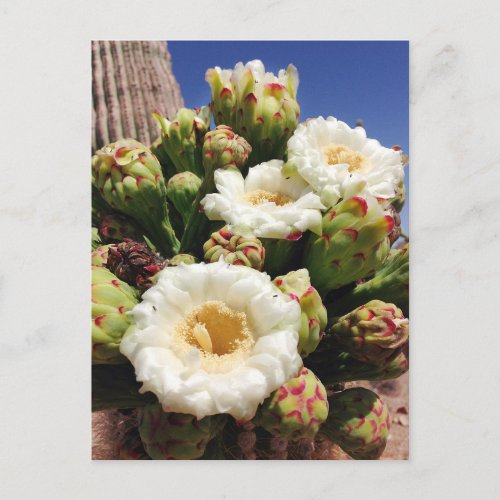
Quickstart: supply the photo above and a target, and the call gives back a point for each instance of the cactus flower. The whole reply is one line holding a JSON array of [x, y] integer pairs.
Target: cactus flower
[[213, 338], [264, 204], [341, 162]]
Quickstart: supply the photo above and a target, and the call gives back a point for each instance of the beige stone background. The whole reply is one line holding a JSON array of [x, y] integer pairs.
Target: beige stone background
[[455, 272]]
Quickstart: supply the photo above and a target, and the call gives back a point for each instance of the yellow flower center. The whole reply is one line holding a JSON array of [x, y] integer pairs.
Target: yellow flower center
[[337, 154], [260, 196], [218, 332]]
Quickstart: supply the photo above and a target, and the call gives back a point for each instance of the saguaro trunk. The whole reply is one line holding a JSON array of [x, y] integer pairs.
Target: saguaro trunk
[[129, 80]]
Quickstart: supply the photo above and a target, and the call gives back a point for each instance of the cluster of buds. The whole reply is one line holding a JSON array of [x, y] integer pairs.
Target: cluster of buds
[[257, 105], [238, 365], [222, 148], [182, 138], [129, 178]]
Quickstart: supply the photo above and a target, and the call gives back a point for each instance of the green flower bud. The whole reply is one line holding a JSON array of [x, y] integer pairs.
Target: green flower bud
[[297, 409], [390, 283], [353, 245], [111, 300], [313, 318], [222, 148], [167, 167], [182, 258], [100, 255], [235, 249], [182, 190], [358, 422], [176, 436], [372, 332]]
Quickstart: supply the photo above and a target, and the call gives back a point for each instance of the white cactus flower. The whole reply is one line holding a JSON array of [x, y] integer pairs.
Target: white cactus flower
[[341, 162], [213, 338], [288, 78], [265, 203]]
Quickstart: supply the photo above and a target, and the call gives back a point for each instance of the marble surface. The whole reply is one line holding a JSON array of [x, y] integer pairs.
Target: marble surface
[[44, 220]]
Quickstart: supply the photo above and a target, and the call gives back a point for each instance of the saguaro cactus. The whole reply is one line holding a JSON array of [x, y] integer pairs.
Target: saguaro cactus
[[130, 79]]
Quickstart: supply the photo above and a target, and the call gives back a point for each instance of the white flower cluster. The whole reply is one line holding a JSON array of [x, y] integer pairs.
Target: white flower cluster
[[219, 338]]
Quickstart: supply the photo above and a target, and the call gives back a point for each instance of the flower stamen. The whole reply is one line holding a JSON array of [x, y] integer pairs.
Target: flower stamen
[[202, 336], [260, 196], [338, 154], [216, 329]]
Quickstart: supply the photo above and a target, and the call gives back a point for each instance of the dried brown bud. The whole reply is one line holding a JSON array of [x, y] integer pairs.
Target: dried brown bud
[[135, 263]]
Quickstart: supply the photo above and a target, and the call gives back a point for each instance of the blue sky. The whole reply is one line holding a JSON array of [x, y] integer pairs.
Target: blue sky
[[348, 80]]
